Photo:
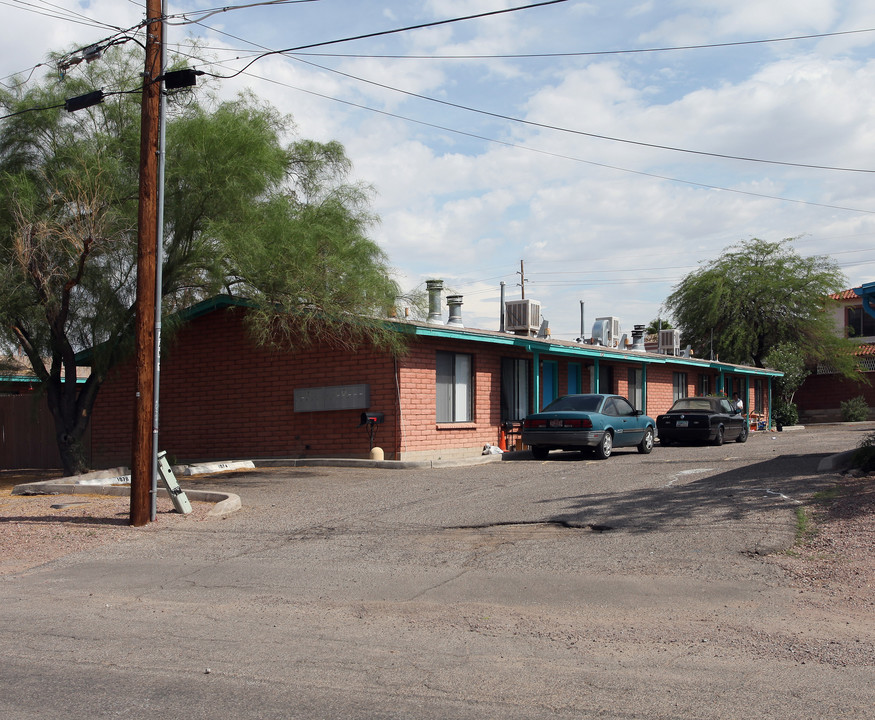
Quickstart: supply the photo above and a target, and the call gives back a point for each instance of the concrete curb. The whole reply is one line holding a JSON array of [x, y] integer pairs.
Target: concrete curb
[[839, 461], [381, 464], [224, 503]]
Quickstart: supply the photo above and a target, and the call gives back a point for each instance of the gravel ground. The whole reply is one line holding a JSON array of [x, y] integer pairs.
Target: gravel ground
[[834, 552]]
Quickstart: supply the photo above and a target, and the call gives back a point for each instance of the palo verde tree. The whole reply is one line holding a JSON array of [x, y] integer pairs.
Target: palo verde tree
[[248, 211], [756, 296]]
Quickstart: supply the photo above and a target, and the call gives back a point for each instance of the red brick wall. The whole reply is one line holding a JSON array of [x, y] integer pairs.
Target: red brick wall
[[222, 397], [820, 396]]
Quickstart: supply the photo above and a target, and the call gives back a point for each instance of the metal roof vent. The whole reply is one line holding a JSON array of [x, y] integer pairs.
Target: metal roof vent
[[522, 317], [455, 304], [435, 314], [638, 338]]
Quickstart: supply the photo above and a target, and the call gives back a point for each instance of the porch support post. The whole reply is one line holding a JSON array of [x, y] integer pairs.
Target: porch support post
[[644, 387], [536, 379], [595, 376]]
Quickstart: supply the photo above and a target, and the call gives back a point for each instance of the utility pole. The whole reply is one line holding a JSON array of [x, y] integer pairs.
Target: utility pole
[[147, 234], [523, 279]]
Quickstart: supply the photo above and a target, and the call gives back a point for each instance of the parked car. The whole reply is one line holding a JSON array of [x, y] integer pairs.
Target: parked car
[[702, 419], [588, 422]]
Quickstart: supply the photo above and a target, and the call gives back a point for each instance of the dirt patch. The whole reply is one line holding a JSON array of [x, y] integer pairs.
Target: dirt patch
[[36, 529], [834, 551]]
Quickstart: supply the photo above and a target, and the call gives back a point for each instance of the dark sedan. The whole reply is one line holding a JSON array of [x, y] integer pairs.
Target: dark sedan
[[702, 419], [588, 422]]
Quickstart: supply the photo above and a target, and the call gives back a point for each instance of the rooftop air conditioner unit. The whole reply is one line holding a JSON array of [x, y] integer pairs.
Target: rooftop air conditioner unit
[[522, 316], [669, 342], [609, 331]]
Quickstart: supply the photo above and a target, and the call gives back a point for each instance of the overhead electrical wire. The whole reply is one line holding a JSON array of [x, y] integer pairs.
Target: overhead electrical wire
[[561, 156], [546, 126], [57, 12], [592, 53], [394, 31]]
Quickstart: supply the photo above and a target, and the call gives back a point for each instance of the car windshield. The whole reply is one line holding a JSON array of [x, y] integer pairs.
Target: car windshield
[[575, 403], [694, 404]]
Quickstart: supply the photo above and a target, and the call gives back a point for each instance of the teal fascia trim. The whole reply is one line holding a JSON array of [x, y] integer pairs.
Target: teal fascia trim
[[591, 352], [32, 380]]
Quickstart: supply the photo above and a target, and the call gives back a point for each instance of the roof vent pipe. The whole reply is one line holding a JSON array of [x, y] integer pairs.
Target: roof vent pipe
[[435, 314], [638, 338], [455, 303]]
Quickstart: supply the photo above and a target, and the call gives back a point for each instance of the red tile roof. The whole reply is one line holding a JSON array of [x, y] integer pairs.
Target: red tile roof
[[844, 295]]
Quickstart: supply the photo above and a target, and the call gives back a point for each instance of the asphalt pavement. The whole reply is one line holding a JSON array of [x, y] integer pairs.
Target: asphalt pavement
[[636, 587]]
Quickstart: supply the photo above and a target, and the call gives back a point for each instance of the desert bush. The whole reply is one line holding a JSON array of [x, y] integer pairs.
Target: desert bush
[[864, 457], [855, 409], [785, 413]]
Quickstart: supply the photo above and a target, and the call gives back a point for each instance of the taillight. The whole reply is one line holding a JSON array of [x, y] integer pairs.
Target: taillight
[[535, 423], [584, 423]]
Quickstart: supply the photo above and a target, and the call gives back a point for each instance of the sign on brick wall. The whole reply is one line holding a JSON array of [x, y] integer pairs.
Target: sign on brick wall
[[338, 397]]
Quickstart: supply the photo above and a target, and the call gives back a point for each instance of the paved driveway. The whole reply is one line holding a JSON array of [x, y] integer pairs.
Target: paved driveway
[[637, 587]]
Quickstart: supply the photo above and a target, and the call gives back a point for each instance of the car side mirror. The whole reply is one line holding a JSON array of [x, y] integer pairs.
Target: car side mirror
[[638, 413]]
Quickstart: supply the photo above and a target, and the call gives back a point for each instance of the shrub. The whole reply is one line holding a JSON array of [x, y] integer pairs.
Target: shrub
[[786, 413], [855, 409], [864, 458]]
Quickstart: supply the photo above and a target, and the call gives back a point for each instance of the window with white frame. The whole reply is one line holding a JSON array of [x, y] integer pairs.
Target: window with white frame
[[678, 385], [454, 387]]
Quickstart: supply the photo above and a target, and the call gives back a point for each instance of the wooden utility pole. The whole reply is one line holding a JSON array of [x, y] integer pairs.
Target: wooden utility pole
[[147, 234]]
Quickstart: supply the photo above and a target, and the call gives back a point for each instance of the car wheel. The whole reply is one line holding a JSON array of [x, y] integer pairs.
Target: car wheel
[[718, 438], [605, 447], [742, 436], [646, 444], [539, 452]]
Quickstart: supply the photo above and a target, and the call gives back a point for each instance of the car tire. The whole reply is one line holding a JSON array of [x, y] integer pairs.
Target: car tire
[[646, 444], [539, 452], [718, 438], [605, 447], [742, 436]]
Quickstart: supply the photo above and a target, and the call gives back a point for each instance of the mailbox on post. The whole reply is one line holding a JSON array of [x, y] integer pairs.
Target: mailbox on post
[[370, 420]]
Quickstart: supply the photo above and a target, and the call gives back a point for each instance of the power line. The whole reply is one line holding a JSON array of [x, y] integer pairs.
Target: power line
[[561, 156], [59, 13], [382, 33], [583, 133], [590, 53], [209, 12]]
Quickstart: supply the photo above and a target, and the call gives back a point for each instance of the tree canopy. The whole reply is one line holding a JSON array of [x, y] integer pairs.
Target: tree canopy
[[249, 210], [756, 296]]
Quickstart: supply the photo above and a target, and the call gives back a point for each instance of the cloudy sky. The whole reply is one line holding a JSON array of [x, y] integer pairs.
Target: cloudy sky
[[608, 147]]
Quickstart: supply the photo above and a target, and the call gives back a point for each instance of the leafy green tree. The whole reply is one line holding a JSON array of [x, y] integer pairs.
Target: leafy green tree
[[790, 360], [246, 212], [758, 295], [656, 325]]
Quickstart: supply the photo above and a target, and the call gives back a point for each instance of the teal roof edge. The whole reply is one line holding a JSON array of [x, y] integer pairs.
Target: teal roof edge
[[547, 347]]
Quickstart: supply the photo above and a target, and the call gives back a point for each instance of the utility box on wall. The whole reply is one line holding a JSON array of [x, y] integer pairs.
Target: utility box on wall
[[336, 397]]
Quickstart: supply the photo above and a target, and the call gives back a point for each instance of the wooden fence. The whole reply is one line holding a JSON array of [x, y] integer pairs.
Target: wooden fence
[[27, 434]]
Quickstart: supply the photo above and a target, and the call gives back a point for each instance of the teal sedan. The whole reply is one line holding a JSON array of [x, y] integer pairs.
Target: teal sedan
[[598, 423]]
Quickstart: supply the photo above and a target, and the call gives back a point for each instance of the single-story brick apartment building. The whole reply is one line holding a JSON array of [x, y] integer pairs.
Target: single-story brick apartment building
[[451, 393]]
